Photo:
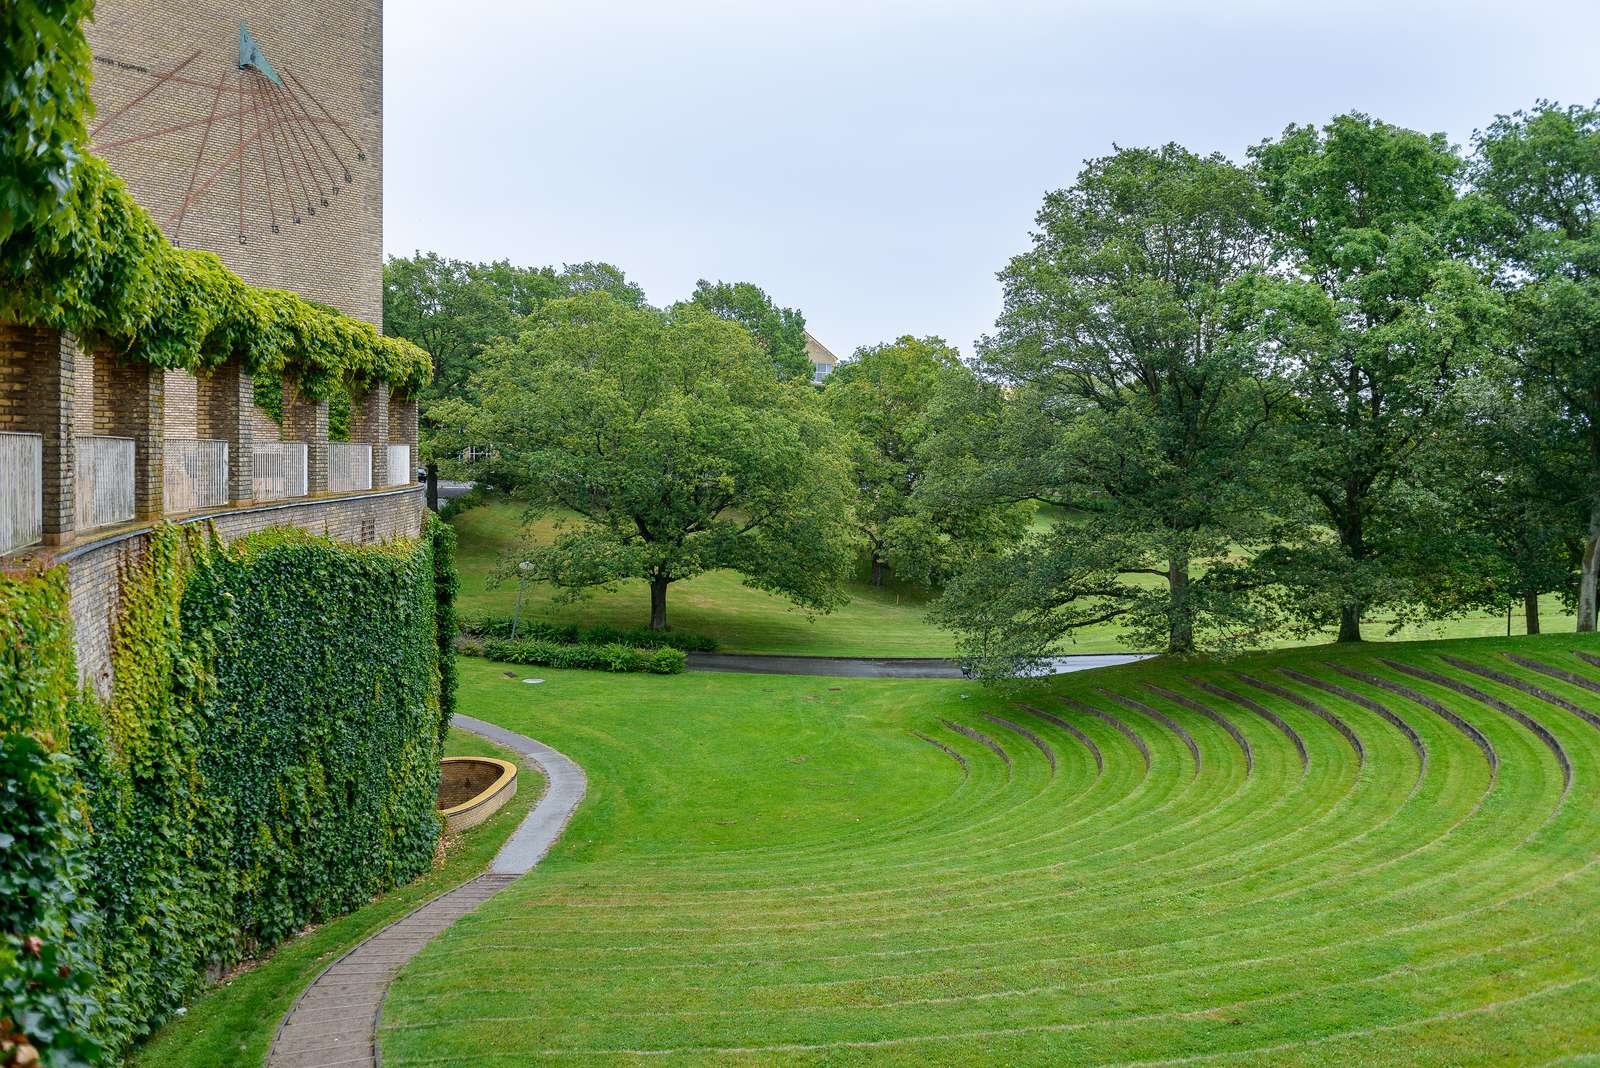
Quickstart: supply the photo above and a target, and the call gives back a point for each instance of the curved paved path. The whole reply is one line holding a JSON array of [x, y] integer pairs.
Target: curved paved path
[[334, 1022], [895, 667]]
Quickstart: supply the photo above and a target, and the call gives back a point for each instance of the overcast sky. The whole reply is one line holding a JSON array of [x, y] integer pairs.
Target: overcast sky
[[875, 163]]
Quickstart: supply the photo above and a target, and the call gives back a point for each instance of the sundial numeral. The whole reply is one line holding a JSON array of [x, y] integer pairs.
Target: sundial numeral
[[275, 229], [244, 239], [324, 201]]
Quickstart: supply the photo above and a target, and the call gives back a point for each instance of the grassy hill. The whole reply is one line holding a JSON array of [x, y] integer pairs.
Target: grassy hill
[[1381, 854], [877, 622]]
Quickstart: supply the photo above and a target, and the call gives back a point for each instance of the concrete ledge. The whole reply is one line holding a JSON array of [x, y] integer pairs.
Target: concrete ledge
[[40, 556]]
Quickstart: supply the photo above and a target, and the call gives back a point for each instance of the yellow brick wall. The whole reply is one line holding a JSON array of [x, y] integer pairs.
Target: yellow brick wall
[[335, 50]]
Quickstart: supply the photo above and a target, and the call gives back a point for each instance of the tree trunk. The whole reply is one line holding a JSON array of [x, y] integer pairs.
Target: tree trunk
[[1588, 578], [877, 572], [1180, 627], [433, 487], [1353, 538], [1530, 611], [1350, 623], [658, 604]]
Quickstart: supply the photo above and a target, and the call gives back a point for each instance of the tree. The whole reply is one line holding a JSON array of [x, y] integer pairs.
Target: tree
[[1379, 320], [892, 399], [452, 308], [1541, 170], [1129, 406], [781, 331], [669, 438]]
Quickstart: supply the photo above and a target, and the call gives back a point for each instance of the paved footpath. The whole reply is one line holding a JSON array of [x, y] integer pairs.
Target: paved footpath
[[334, 1023]]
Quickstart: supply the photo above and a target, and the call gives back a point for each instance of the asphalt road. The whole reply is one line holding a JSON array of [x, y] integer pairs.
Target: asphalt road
[[854, 667]]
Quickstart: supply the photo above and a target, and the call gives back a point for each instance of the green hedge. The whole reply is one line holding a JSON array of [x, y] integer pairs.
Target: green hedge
[[613, 657], [493, 626], [46, 984], [268, 758]]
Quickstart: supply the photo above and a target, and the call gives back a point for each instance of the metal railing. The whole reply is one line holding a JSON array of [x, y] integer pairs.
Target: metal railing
[[400, 465], [280, 470], [21, 490], [103, 470], [349, 466], [194, 475]]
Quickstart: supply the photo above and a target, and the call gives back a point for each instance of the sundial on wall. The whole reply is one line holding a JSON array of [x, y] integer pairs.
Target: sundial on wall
[[245, 131]]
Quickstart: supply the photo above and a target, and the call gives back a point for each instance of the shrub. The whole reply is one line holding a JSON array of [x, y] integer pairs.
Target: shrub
[[581, 655], [495, 626]]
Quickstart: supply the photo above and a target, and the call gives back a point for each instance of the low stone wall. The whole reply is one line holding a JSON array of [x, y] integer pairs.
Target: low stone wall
[[96, 564]]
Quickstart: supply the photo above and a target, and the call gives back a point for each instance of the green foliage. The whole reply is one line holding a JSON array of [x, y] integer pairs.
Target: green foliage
[[452, 308], [446, 584], [671, 438], [781, 331], [1378, 319], [894, 399], [1539, 173], [268, 758], [44, 99], [1124, 401], [594, 657], [46, 977], [497, 626]]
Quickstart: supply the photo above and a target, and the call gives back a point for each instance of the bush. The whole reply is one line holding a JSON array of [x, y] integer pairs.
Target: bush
[[494, 626], [580, 655]]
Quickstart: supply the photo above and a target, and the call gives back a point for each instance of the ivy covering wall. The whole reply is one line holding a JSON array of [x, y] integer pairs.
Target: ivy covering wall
[[268, 758]]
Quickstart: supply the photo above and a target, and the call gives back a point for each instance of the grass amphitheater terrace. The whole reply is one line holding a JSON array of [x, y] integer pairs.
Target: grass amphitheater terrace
[[1381, 854]]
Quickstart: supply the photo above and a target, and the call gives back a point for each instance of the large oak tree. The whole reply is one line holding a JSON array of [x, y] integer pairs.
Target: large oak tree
[[1126, 404], [668, 447]]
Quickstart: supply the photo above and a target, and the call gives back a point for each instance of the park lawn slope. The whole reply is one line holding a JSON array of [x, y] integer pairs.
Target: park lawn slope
[[876, 623], [1120, 866], [233, 1022]]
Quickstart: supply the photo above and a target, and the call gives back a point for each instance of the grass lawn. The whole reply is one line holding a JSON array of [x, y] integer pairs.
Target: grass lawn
[[886, 622], [233, 1023], [826, 871]]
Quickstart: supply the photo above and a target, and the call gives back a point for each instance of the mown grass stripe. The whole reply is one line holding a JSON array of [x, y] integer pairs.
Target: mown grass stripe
[[1117, 724], [1473, 733], [1057, 721], [1525, 687], [1161, 718], [1538, 729], [1038, 742], [1301, 701]]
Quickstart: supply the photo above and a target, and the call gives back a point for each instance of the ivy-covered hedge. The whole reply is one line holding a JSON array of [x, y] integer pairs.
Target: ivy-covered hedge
[[495, 626], [268, 758], [47, 1004], [614, 657], [76, 251]]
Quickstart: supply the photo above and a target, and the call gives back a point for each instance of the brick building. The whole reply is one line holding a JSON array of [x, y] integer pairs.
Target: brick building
[[254, 132], [220, 153]]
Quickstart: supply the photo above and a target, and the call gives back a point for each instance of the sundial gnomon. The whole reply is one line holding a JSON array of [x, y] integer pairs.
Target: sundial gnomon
[[264, 134]]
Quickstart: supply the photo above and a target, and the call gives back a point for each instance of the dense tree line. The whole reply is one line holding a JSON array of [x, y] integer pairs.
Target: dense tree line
[[1354, 376]]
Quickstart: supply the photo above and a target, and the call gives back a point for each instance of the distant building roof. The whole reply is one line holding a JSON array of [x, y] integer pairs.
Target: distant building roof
[[818, 352]]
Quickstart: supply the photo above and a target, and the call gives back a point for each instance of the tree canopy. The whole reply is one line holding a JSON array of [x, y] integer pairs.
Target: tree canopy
[[780, 331], [666, 446], [1130, 406], [892, 400]]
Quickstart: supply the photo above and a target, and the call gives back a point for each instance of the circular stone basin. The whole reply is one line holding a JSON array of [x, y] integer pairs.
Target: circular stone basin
[[471, 789]]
